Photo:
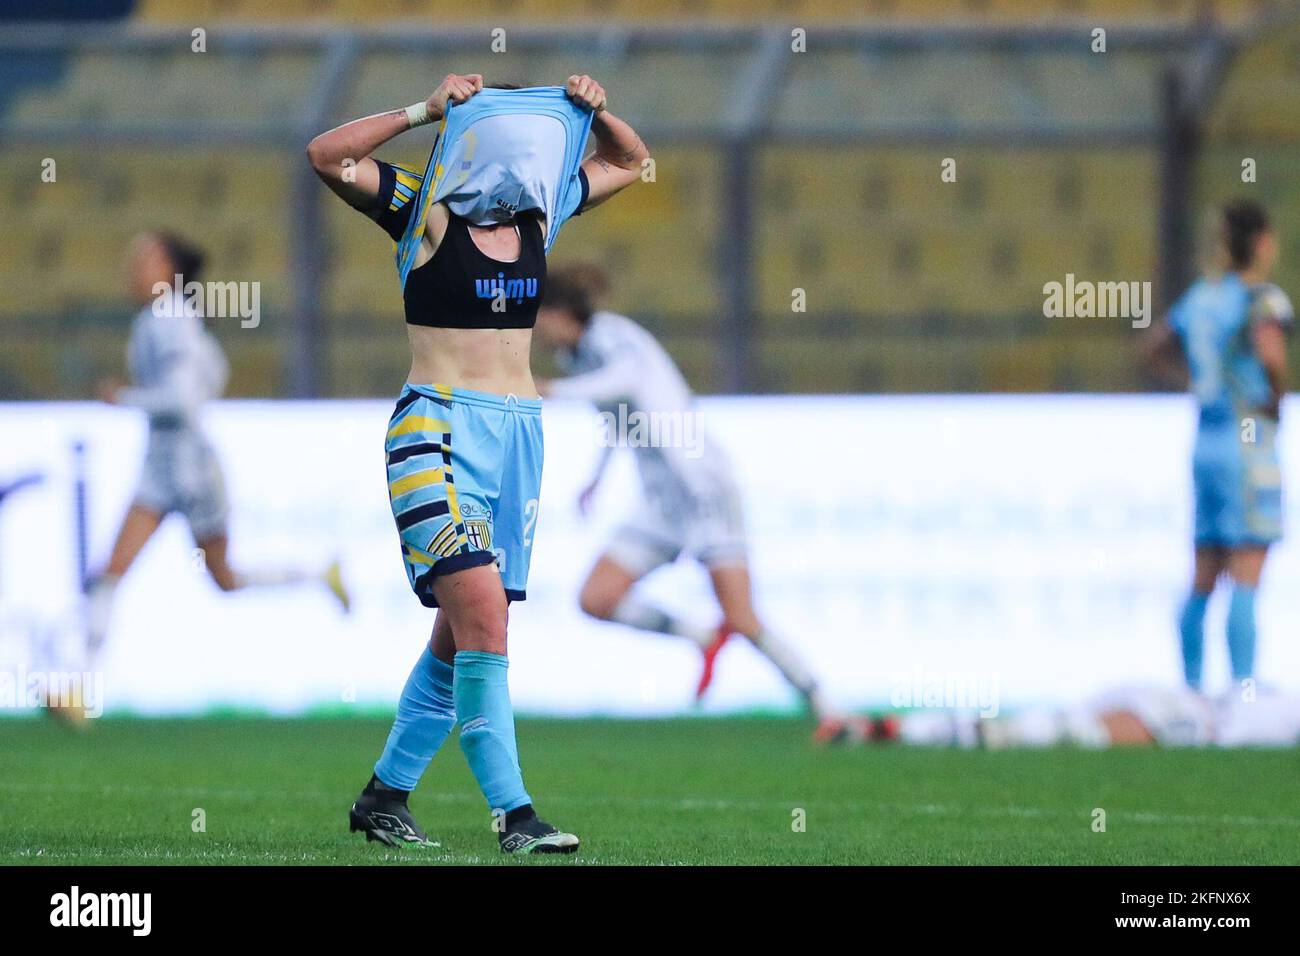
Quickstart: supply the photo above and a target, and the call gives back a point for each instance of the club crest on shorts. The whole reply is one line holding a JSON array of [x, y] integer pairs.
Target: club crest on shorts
[[478, 526], [479, 533]]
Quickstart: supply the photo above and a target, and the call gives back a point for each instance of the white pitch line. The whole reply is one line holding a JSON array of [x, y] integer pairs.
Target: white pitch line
[[699, 804]]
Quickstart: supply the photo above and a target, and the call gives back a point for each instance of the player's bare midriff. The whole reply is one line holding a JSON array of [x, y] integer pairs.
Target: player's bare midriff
[[485, 360]]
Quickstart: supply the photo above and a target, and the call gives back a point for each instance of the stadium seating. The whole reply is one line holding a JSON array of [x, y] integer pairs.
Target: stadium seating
[[883, 249], [812, 10], [69, 274], [1247, 122]]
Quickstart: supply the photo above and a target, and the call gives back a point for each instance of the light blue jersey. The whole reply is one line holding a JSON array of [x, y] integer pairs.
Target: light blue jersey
[[1235, 466], [500, 153]]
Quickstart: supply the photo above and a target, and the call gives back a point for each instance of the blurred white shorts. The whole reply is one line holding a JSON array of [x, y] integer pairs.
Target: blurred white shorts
[[710, 529], [182, 475]]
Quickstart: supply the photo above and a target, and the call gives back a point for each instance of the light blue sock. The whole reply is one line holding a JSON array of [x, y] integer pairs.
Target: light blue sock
[[425, 716], [1241, 632], [487, 728], [1191, 627]]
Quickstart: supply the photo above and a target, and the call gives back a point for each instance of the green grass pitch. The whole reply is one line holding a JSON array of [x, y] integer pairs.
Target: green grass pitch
[[691, 791]]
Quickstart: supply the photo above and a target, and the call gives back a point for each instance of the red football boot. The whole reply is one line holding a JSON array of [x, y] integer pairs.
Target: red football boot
[[710, 653], [842, 730]]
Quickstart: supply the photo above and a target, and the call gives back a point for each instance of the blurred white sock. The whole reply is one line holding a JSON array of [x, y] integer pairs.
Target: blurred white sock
[[646, 617], [793, 669], [99, 610]]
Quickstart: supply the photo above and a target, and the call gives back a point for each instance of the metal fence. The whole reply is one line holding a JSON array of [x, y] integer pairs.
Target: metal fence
[[785, 121]]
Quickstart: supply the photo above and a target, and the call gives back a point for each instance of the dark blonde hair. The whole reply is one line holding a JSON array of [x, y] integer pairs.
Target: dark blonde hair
[[1244, 221], [577, 288], [187, 258]]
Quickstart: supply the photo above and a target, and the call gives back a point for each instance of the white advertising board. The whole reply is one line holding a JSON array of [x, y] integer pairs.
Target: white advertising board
[[1033, 546]]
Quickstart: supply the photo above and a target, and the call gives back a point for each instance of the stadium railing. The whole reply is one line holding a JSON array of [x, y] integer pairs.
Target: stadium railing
[[775, 171]]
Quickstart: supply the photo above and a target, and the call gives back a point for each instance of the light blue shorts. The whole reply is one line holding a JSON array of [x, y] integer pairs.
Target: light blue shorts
[[464, 476], [1238, 487]]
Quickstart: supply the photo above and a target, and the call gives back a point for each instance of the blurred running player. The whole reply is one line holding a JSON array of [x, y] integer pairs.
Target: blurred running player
[[469, 409], [1138, 716], [691, 504], [176, 366], [1231, 329]]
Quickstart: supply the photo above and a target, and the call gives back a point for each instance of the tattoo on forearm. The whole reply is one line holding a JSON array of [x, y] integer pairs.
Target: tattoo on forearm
[[631, 154], [601, 163]]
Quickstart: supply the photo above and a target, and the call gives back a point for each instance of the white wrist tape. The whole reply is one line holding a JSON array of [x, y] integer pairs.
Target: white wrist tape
[[417, 114]]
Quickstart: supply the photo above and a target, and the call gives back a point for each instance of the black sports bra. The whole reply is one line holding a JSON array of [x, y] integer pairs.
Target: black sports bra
[[462, 288], [457, 287]]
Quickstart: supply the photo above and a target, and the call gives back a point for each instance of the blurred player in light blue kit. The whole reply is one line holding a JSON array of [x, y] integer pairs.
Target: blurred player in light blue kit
[[1231, 327]]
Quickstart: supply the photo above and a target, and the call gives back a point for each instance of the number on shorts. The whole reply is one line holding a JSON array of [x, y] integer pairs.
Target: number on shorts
[[530, 519]]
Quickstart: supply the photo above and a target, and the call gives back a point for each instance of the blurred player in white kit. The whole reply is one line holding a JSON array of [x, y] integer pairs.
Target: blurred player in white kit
[[691, 505], [176, 366], [1134, 716]]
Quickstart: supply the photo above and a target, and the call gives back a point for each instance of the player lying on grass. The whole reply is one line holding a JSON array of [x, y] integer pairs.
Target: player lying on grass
[[691, 504], [1230, 328], [176, 366], [1126, 717], [464, 446]]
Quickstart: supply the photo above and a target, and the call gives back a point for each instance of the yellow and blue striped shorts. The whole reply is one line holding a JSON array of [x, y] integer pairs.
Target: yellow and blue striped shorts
[[464, 478]]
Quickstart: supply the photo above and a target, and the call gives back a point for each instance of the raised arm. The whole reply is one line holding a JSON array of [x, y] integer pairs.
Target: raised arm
[[616, 164], [341, 156]]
